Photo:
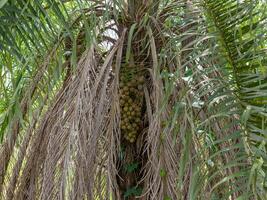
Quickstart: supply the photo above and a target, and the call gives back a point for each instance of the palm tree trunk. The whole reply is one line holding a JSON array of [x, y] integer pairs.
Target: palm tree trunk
[[131, 167]]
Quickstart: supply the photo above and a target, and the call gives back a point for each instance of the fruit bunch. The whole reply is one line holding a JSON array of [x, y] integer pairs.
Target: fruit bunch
[[131, 99]]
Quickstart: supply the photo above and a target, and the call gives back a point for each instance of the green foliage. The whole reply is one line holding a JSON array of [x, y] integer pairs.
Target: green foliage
[[129, 168], [162, 173], [240, 35], [167, 198], [134, 191]]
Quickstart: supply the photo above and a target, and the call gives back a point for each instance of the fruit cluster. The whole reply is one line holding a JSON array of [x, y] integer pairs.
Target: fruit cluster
[[131, 98]]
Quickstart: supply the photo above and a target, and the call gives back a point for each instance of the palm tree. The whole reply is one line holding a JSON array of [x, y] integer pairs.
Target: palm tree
[[133, 99]]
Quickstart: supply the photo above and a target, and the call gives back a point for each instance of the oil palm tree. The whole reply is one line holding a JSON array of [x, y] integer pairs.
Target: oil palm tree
[[130, 99]]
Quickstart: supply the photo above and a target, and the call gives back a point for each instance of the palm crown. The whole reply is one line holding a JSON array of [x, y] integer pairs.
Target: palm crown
[[133, 99]]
